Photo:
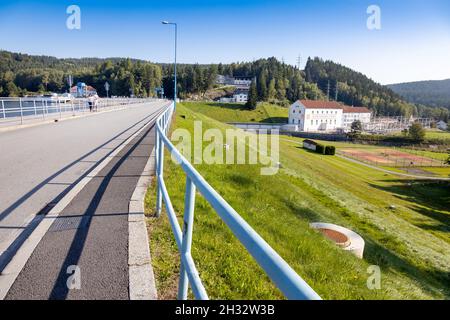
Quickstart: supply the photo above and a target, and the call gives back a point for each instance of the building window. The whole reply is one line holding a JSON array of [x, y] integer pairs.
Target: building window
[[312, 121]]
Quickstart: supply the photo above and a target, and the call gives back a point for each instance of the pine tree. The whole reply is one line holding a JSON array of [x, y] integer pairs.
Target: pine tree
[[281, 89], [252, 97], [272, 92], [262, 85]]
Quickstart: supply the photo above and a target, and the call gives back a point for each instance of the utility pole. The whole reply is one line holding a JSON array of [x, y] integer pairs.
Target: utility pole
[[107, 86], [70, 82], [328, 91], [336, 92], [174, 64], [299, 61]]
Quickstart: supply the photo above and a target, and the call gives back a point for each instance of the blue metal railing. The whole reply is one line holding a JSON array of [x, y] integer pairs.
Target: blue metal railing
[[284, 277]]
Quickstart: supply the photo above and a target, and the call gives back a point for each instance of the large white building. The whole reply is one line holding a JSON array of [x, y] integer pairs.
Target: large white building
[[320, 116], [310, 116], [352, 114]]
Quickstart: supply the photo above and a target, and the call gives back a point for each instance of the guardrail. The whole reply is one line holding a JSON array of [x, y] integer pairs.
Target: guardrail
[[19, 110], [284, 277]]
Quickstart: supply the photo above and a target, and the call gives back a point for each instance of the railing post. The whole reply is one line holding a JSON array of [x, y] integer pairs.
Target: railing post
[[159, 172], [188, 225], [73, 107], [21, 111], [3, 109], [34, 105], [59, 106]]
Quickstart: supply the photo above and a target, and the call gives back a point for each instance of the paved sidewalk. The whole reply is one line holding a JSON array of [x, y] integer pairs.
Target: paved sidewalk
[[90, 233]]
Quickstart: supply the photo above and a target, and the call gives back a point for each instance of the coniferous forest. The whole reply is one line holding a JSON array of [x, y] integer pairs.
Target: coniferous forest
[[277, 82]]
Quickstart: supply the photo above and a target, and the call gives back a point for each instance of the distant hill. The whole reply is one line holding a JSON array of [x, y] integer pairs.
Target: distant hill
[[355, 88], [432, 93]]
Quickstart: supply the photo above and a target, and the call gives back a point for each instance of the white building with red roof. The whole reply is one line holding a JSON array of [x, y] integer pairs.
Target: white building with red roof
[[323, 116], [352, 114], [313, 116]]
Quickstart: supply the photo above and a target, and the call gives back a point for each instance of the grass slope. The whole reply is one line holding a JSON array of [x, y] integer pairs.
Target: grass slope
[[410, 244], [229, 112]]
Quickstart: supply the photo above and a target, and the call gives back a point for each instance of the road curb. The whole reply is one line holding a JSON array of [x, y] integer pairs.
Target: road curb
[[142, 285], [17, 263]]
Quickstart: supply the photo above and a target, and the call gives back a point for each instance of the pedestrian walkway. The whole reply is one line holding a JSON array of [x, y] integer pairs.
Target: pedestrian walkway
[[90, 235]]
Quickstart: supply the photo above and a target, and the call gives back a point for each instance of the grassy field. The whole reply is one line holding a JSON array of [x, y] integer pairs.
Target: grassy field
[[438, 134], [410, 244], [229, 112], [433, 134], [432, 171]]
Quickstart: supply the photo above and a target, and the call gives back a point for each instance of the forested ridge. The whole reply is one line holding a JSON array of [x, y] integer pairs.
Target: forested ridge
[[277, 82], [434, 93], [354, 88]]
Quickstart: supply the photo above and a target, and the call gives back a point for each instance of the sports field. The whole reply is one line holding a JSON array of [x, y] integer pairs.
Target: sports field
[[390, 157]]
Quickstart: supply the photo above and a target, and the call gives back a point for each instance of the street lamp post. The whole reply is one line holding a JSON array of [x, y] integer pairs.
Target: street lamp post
[[175, 64]]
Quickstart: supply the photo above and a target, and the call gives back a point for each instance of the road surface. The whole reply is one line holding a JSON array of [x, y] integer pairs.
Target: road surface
[[38, 165]]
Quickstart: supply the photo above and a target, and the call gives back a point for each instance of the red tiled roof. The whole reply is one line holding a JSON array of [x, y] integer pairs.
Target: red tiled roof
[[348, 109], [317, 104]]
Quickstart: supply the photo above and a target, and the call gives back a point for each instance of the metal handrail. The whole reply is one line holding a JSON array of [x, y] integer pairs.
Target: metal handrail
[[284, 277], [22, 109]]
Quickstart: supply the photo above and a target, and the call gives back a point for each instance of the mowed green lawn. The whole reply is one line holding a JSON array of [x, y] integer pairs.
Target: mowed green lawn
[[233, 112], [438, 134], [410, 243], [433, 134]]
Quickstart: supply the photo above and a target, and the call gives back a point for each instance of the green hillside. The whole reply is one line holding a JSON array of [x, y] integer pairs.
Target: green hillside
[[410, 243], [226, 112]]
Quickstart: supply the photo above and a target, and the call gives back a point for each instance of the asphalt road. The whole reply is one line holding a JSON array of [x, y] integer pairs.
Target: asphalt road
[[91, 233], [38, 165]]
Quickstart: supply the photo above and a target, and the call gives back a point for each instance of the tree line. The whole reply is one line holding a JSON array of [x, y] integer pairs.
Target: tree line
[[22, 74], [274, 81]]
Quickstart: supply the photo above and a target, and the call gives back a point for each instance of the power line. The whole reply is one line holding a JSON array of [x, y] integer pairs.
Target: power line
[[299, 61]]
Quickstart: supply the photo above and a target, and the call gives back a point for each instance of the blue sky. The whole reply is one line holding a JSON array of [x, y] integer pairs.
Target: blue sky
[[413, 43]]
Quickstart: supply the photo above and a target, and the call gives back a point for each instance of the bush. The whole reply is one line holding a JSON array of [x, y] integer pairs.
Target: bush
[[416, 132], [320, 148], [330, 150]]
